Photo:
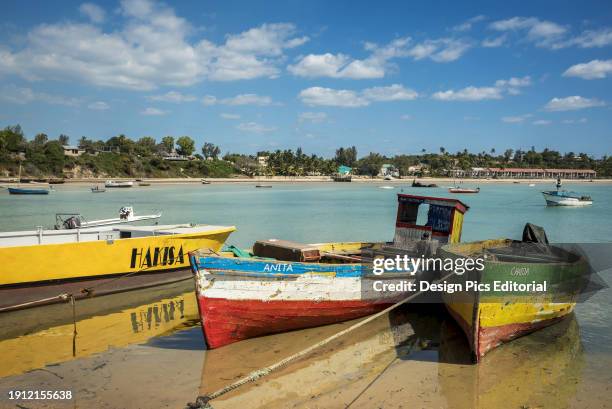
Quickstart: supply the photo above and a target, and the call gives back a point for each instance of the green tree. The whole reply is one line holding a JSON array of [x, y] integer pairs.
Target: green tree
[[210, 150], [145, 146], [12, 139], [54, 155], [186, 145], [64, 139], [40, 139], [168, 143], [346, 156], [370, 165]]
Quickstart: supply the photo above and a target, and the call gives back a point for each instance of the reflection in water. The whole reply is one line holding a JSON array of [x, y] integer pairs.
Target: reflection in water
[[110, 321], [414, 355], [539, 370]]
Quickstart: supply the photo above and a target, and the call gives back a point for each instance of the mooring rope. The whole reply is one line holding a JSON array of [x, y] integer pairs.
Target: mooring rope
[[203, 401]]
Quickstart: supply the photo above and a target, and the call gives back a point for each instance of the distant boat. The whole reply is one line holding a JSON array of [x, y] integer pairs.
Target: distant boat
[[98, 189], [386, 187], [76, 221], [29, 191], [419, 184], [463, 190], [564, 198], [205, 182], [144, 184], [388, 177], [268, 186], [115, 183], [531, 184]]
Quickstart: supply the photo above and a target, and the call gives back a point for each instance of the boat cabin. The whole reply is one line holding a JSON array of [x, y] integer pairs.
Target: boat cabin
[[428, 218]]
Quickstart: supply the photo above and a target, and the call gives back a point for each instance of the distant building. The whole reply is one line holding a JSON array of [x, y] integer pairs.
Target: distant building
[[388, 170], [417, 169], [526, 173], [262, 161], [344, 170], [70, 150]]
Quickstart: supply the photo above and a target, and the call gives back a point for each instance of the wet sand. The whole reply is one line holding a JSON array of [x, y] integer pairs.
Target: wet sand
[[135, 356]]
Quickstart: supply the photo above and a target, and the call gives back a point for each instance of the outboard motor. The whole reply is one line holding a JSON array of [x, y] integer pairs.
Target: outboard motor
[[125, 213], [73, 222]]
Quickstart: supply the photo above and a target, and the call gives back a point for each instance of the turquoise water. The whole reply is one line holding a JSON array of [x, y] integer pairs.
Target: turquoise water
[[320, 212]]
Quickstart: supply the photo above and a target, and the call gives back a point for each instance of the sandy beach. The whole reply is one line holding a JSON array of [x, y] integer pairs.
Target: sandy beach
[[322, 179]]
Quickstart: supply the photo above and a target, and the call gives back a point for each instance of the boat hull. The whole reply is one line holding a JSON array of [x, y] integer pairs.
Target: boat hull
[[20, 191], [243, 298], [227, 321], [493, 318], [554, 200], [29, 264]]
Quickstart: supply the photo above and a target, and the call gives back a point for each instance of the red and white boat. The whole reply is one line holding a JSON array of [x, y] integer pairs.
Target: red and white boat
[[463, 190], [283, 286]]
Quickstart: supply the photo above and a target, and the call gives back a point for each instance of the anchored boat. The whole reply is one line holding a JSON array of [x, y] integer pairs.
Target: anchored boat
[[77, 221], [45, 266], [29, 190], [564, 198], [492, 317], [282, 286], [118, 183], [463, 190], [419, 184]]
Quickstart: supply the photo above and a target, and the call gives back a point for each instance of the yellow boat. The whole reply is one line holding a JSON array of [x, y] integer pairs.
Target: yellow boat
[[504, 311], [45, 266]]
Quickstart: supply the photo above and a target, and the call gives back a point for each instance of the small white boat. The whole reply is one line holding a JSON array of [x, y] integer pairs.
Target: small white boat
[[386, 187], [76, 221], [98, 189], [564, 198], [118, 183], [532, 185]]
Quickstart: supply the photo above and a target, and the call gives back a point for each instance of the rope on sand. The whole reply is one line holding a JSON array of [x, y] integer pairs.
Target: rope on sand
[[203, 401]]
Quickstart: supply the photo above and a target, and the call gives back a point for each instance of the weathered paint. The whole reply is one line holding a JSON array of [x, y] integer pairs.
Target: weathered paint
[[28, 264], [490, 319]]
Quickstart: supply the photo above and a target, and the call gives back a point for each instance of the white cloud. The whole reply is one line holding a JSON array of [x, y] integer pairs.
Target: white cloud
[[255, 127], [510, 86], [494, 42], [542, 122], [574, 121], [516, 119], [593, 38], [172, 96], [93, 12], [319, 96], [406, 117], [229, 116], [541, 32], [469, 94], [241, 99], [330, 65], [98, 106], [314, 117], [17, 95], [153, 112], [440, 50], [595, 69], [467, 25], [395, 92], [150, 47], [572, 103]]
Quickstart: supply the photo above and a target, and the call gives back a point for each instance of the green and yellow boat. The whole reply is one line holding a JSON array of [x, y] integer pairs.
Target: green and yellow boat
[[522, 288]]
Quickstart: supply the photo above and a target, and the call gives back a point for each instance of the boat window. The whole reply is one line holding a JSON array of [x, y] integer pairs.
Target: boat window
[[408, 213], [439, 217], [422, 216], [125, 234]]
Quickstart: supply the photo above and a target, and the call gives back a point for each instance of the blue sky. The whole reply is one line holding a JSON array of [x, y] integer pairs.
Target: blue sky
[[390, 77]]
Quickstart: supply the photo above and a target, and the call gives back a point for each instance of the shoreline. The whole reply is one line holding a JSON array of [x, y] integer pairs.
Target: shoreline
[[314, 179]]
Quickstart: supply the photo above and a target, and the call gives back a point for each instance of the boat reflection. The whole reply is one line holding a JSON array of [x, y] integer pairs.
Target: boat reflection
[[33, 338], [539, 370]]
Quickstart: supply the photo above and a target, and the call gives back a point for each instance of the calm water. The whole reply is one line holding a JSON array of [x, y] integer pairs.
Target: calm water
[[575, 361], [320, 212]]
